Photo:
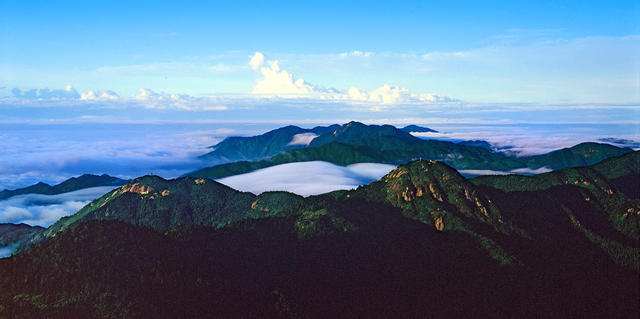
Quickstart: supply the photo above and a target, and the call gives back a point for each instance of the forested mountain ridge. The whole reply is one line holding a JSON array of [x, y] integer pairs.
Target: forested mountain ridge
[[407, 245], [69, 185]]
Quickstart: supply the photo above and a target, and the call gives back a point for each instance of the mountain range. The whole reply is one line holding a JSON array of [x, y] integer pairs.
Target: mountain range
[[355, 142], [236, 148], [423, 241], [69, 185]]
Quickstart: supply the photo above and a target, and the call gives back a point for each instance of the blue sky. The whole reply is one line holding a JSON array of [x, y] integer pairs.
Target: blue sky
[[131, 88], [488, 51]]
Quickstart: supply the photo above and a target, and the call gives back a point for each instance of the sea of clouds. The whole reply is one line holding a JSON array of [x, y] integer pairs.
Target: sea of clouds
[[44, 210], [307, 178]]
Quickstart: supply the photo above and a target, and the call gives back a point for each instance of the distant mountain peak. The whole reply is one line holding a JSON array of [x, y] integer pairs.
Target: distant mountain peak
[[69, 185], [416, 128]]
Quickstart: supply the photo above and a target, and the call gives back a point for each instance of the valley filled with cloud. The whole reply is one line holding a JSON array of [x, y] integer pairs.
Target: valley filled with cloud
[[307, 178], [44, 210]]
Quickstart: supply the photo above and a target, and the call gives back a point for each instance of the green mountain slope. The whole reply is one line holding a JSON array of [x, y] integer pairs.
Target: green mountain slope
[[420, 242], [378, 137], [355, 142], [69, 185], [583, 154], [459, 156], [151, 201], [263, 146], [602, 200], [237, 148]]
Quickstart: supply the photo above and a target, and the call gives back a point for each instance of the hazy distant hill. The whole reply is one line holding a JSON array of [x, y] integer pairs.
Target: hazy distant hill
[[282, 139], [14, 233], [357, 143], [69, 185], [416, 128], [421, 242], [237, 148]]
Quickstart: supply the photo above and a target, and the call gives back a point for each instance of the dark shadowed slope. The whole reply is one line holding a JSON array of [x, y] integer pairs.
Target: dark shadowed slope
[[421, 242], [14, 233]]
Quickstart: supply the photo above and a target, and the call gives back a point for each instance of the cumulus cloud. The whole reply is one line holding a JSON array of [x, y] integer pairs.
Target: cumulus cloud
[[44, 210], [307, 178], [302, 139], [387, 94], [276, 81], [279, 82], [96, 95]]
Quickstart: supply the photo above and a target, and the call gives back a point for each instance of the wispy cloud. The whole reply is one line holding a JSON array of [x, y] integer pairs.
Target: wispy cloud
[[302, 139]]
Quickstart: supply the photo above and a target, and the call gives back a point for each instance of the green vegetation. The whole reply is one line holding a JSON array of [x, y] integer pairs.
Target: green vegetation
[[236, 148], [358, 143], [151, 201], [423, 241]]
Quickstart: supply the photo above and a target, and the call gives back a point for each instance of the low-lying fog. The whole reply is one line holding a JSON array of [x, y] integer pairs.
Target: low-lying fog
[[44, 210], [307, 178]]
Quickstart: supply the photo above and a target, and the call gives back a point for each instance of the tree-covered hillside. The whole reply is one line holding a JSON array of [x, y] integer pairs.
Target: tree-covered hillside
[[421, 242]]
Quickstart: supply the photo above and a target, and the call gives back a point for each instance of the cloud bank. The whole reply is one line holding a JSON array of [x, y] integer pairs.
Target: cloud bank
[[518, 171], [44, 210], [53, 153], [307, 178]]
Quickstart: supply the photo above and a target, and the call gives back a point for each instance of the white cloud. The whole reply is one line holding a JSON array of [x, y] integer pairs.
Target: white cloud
[[518, 171], [257, 61], [517, 140], [307, 178], [480, 172], [44, 210], [53, 153], [302, 139], [166, 101], [150, 99], [387, 94], [278, 82], [95, 95], [528, 171]]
